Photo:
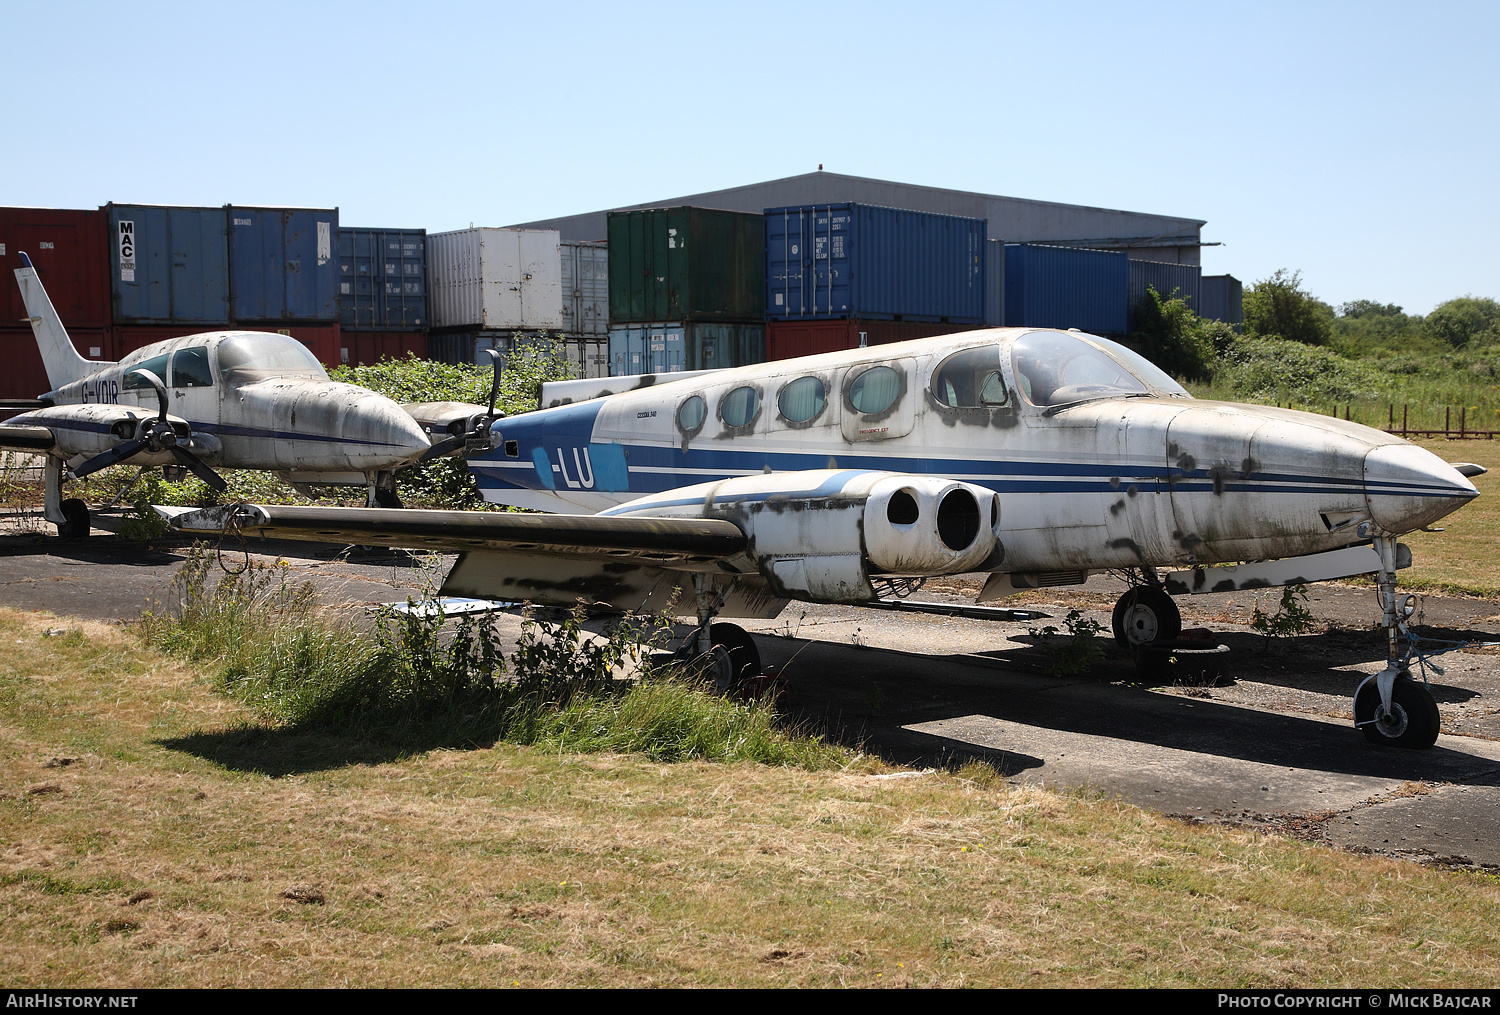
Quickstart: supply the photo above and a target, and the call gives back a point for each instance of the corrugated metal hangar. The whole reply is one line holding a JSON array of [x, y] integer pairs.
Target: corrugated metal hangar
[[1143, 237]]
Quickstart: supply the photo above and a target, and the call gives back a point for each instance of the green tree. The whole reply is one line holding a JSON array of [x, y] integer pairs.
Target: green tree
[[1468, 320], [1172, 337], [1278, 307]]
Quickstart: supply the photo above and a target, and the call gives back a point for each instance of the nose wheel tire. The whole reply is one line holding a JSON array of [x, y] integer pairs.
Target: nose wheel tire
[[1144, 615], [1412, 721]]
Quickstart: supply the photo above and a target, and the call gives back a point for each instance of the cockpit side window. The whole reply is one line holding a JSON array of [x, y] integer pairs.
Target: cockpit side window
[[971, 379], [245, 358], [190, 368], [156, 364]]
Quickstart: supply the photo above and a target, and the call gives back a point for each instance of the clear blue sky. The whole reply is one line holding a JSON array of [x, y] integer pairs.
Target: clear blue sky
[[1355, 142]]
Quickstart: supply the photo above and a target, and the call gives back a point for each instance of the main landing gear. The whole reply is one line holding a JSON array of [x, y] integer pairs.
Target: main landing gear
[[725, 651], [1145, 614], [71, 516]]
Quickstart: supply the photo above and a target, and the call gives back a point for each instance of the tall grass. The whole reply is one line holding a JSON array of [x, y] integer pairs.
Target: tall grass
[[422, 680]]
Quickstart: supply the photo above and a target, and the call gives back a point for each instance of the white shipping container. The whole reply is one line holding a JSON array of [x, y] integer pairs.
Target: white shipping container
[[495, 278], [585, 289]]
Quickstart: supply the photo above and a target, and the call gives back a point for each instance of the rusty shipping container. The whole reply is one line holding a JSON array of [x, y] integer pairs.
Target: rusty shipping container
[[790, 339], [168, 265], [70, 250], [365, 348], [281, 264], [24, 376]]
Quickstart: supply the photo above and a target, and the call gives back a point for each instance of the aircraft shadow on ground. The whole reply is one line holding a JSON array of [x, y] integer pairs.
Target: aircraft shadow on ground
[[281, 751], [865, 698], [103, 550]]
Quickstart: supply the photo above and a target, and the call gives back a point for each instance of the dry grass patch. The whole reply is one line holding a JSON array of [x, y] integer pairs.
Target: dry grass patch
[[155, 865]]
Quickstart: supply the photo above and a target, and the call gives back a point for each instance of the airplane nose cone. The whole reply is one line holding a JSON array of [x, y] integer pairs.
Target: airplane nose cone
[[392, 429], [1408, 487]]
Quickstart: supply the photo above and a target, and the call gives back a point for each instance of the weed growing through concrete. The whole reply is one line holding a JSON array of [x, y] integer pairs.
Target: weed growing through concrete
[[1292, 617], [1078, 653]]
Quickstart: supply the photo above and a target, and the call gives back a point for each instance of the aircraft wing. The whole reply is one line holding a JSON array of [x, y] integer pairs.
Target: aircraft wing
[[560, 560]]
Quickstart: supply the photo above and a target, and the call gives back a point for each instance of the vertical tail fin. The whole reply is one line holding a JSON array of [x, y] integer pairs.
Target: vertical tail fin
[[62, 361]]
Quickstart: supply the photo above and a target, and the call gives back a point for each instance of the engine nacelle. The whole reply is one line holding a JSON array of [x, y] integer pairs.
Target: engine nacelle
[[821, 535]]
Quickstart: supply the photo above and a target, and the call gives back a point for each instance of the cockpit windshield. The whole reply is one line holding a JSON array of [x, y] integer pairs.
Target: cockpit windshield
[[245, 358], [1054, 368]]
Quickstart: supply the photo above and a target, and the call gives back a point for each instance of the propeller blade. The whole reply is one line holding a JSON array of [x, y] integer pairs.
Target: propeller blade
[[446, 446], [161, 391], [494, 355], [115, 455], [198, 467]]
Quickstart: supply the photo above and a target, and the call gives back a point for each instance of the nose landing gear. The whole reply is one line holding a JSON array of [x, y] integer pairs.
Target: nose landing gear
[[1391, 708]]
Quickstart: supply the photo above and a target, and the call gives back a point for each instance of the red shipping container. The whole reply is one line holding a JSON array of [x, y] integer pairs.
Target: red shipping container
[[364, 348], [790, 339], [22, 374], [70, 250], [323, 340]]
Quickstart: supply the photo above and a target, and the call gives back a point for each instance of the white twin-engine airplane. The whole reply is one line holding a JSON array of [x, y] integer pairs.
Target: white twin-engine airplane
[[242, 400], [1036, 456]]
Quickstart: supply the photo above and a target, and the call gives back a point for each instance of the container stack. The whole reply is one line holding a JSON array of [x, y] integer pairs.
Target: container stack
[[68, 248], [382, 294], [844, 275], [1066, 287], [180, 271], [492, 289], [686, 290]]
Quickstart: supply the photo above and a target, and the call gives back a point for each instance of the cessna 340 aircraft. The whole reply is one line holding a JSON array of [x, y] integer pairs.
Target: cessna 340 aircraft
[[243, 400], [1036, 456]]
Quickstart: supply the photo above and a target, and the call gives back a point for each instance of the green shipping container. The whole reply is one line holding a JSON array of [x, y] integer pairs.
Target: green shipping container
[[686, 264]]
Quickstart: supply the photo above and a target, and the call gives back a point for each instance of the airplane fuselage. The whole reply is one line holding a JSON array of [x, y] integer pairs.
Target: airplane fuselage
[[252, 400], [1096, 473]]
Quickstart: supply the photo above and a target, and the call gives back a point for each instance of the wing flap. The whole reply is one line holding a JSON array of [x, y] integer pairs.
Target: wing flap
[[660, 542]]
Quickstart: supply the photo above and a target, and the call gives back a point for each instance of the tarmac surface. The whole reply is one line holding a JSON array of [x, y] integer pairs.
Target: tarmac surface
[[1276, 748]]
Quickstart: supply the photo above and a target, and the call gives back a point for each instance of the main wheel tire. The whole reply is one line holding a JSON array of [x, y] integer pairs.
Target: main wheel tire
[[1412, 722], [744, 657], [1144, 615], [386, 498], [76, 520]]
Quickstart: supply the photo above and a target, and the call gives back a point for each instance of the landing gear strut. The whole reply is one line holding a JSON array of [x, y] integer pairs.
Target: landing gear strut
[[1391, 708]]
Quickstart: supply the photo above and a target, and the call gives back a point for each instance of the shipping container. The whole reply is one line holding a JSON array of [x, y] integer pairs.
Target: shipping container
[[686, 264], [589, 354], [865, 261], [364, 348], [281, 264], [1223, 299], [168, 266], [790, 339], [382, 279], [689, 345], [1065, 287], [585, 290], [71, 254], [24, 375], [1181, 280], [994, 283], [322, 339], [495, 279]]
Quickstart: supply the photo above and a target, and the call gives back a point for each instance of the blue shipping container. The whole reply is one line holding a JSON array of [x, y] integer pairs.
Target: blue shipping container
[[646, 349], [853, 260], [1181, 280], [1064, 287], [1223, 298], [994, 283], [281, 264], [168, 265], [382, 279]]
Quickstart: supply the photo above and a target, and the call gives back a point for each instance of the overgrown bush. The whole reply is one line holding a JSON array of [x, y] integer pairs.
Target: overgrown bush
[[423, 680], [1171, 336], [1278, 307]]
